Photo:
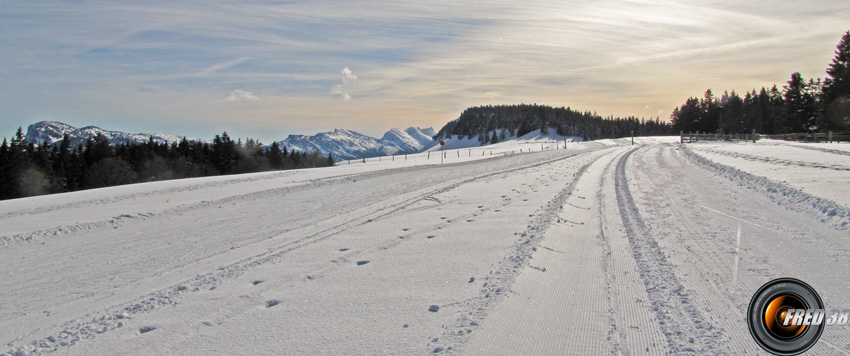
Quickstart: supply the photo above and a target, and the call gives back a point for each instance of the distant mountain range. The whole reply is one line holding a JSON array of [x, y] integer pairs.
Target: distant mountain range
[[342, 144], [347, 144], [53, 131]]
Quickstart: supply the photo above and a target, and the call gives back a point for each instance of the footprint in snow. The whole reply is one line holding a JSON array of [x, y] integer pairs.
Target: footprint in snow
[[272, 302], [256, 282], [363, 262]]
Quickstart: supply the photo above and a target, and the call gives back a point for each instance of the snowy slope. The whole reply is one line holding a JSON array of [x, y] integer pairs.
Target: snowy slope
[[342, 144], [411, 140], [597, 248], [804, 177], [53, 131], [347, 144], [529, 140]]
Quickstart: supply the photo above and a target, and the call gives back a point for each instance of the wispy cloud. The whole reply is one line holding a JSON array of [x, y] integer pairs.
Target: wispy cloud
[[341, 89], [223, 65], [425, 61], [239, 95]]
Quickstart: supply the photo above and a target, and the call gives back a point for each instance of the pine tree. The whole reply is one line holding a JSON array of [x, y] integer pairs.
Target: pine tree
[[836, 88], [494, 138], [687, 117], [801, 110], [709, 119], [224, 153], [275, 156], [7, 189]]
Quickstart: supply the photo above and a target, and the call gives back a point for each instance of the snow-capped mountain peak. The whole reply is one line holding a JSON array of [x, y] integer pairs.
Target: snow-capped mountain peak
[[347, 144], [53, 131], [413, 139]]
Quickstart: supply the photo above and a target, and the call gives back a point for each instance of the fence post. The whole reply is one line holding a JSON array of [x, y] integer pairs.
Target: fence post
[[830, 137], [429, 155], [633, 137], [682, 136]]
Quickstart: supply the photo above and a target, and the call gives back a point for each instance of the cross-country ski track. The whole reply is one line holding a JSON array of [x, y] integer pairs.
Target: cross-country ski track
[[601, 248]]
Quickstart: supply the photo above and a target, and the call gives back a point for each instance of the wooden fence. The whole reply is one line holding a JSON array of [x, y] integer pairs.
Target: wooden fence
[[803, 137], [696, 137], [829, 137]]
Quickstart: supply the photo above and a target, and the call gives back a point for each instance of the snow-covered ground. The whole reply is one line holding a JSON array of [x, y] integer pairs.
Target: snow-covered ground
[[533, 249], [813, 177]]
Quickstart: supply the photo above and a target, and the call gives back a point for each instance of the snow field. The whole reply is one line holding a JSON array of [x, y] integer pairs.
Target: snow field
[[808, 186], [725, 240], [816, 172], [633, 323], [561, 299], [836, 147], [601, 248], [219, 240]]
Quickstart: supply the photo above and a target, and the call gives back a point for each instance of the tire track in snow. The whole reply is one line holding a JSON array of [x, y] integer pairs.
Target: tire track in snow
[[117, 221], [633, 327], [693, 247], [685, 328], [699, 239], [834, 214], [499, 283], [812, 148], [383, 211], [159, 192], [294, 185], [114, 317], [778, 161]]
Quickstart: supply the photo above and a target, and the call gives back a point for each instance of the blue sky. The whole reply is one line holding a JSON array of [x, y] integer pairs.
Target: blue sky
[[267, 69]]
